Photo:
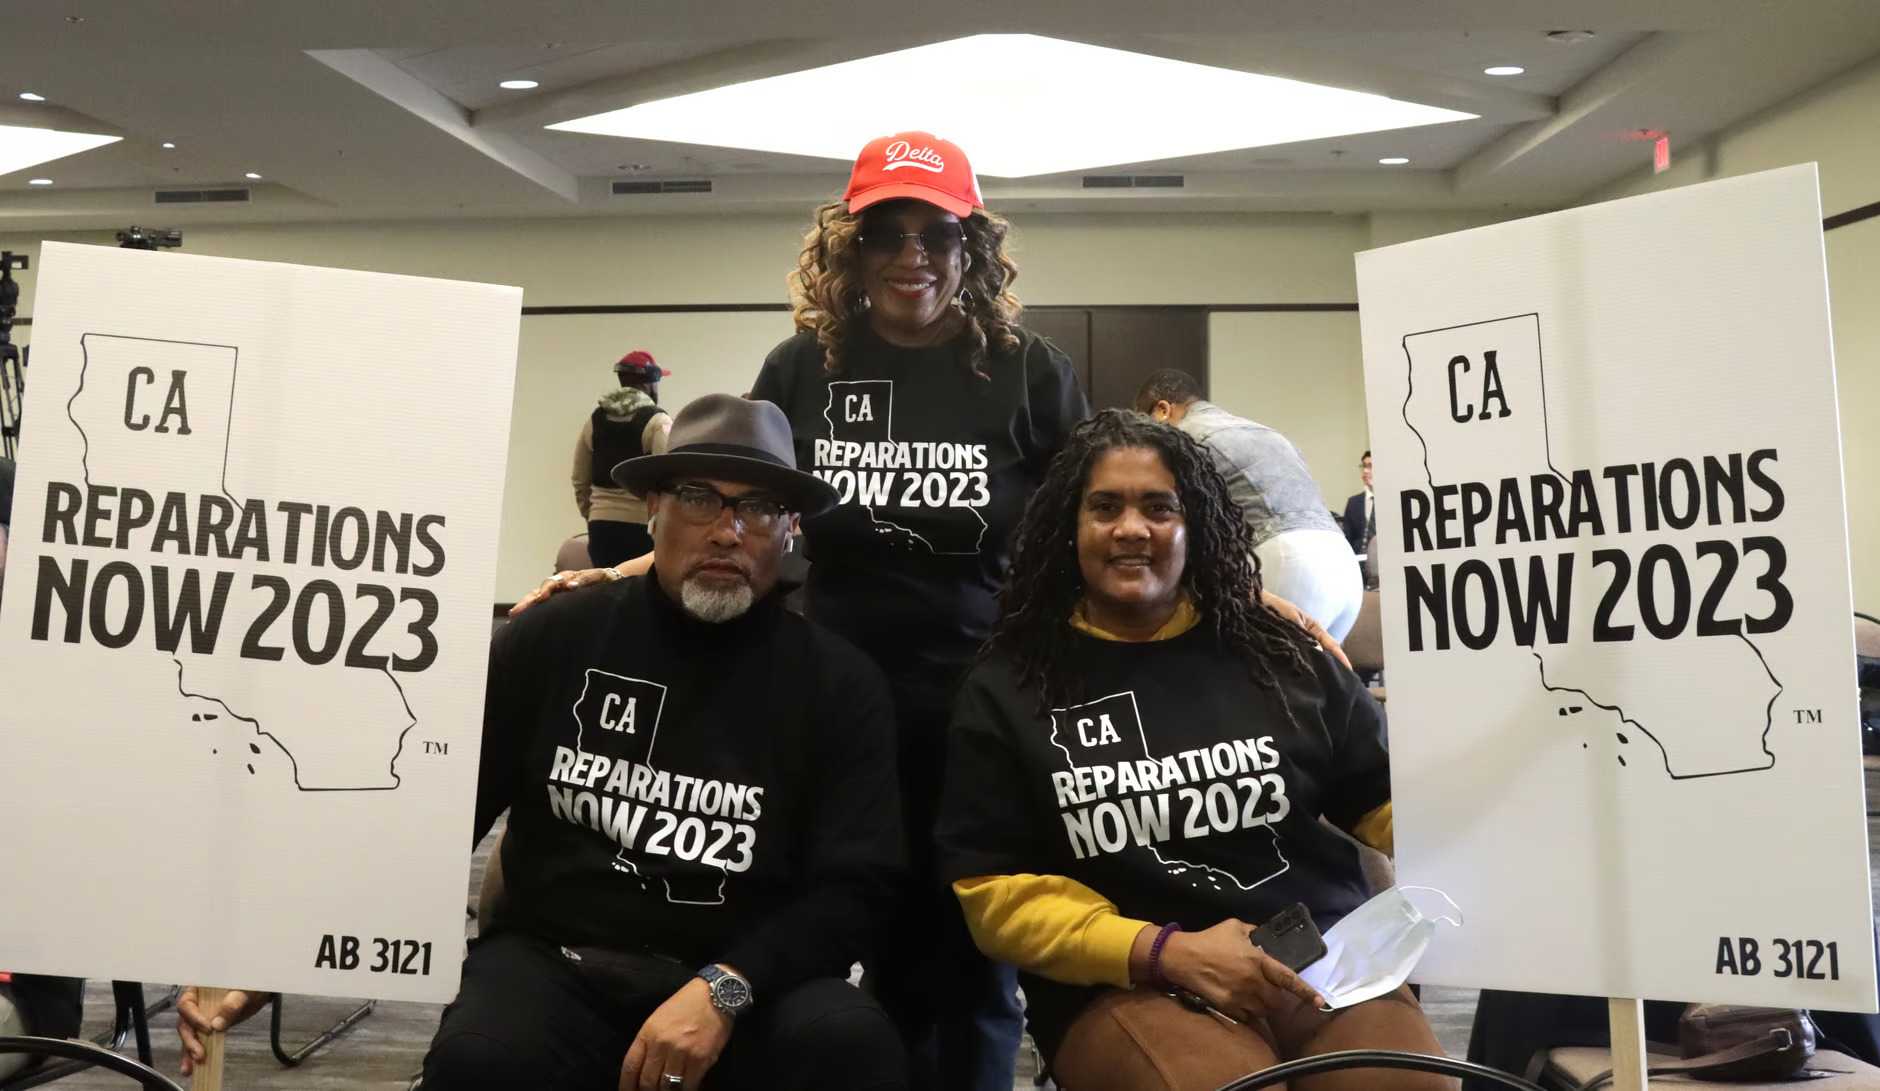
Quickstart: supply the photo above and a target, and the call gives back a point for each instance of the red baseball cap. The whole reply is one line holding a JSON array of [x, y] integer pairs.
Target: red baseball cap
[[917, 165], [639, 366]]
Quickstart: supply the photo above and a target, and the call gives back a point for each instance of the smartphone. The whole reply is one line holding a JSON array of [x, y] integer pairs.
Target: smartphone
[[1291, 938]]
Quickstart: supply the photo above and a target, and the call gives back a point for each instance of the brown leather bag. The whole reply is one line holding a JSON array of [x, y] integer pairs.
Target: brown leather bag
[[1727, 1042]]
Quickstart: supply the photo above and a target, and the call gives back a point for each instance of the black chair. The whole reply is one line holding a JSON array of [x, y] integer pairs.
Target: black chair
[[130, 1019], [81, 1055], [325, 1038]]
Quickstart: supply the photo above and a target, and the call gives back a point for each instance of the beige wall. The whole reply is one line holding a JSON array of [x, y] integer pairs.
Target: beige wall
[[1302, 374], [1296, 372], [1832, 125], [563, 360]]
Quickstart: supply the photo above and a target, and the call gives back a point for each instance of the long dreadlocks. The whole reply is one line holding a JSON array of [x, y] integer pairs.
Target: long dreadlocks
[[1045, 582]]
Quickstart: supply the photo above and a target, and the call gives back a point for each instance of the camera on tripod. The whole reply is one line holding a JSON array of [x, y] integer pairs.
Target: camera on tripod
[[12, 363], [149, 238]]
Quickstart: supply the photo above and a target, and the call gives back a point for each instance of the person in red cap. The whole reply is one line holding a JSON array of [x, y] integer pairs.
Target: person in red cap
[[627, 423], [913, 390]]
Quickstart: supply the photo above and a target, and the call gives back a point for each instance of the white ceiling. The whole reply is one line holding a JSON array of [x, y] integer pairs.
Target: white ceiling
[[367, 109]]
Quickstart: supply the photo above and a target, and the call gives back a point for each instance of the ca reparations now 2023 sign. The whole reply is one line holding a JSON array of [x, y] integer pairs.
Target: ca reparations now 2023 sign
[[246, 623], [1618, 619]]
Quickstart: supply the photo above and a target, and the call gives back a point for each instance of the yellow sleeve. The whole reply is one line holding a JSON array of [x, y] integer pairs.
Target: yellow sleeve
[[1376, 830], [1051, 926]]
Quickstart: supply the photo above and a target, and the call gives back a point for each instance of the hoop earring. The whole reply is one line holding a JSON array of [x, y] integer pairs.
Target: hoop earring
[[964, 300], [652, 525]]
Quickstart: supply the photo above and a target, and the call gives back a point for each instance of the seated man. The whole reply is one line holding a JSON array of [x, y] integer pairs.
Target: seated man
[[703, 822]]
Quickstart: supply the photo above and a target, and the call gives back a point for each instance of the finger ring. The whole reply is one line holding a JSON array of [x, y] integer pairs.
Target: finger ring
[[674, 1081]]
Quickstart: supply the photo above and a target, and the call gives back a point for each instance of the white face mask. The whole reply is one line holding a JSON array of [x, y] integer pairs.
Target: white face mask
[[1375, 948]]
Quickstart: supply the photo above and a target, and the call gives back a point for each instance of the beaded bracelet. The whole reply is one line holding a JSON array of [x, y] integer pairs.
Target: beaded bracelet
[[1155, 954]]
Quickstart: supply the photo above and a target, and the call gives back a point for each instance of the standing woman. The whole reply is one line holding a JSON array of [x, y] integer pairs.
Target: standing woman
[[913, 390]]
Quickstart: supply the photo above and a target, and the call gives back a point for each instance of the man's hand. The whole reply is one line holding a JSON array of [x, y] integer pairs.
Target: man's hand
[[1224, 968], [192, 1021], [683, 1037], [1312, 628]]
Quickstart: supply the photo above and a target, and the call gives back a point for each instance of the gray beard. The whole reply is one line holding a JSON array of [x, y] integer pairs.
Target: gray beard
[[713, 605]]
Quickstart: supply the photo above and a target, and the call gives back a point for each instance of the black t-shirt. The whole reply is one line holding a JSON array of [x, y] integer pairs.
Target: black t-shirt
[[933, 466], [714, 793], [1175, 787]]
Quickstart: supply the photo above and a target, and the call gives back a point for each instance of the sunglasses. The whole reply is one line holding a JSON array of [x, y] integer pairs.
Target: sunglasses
[[936, 240]]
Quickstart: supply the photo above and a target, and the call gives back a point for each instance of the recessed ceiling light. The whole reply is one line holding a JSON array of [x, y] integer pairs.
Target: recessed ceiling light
[[22, 147], [1393, 160], [518, 85], [1054, 106], [1569, 37], [1503, 70], [32, 97], [252, 176], [39, 181], [167, 146]]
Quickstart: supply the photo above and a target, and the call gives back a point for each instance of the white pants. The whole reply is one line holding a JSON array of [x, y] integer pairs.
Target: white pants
[[1316, 571]]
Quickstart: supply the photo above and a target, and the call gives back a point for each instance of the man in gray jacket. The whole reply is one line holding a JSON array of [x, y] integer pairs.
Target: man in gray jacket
[[1304, 557]]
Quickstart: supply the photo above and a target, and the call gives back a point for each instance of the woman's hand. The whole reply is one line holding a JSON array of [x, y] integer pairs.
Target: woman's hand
[[1298, 617], [1224, 968], [566, 581]]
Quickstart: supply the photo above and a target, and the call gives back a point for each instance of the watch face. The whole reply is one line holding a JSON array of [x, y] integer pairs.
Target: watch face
[[732, 992]]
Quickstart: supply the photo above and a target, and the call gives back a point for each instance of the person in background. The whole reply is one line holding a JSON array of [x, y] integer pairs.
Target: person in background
[[1300, 554], [1131, 643], [626, 954], [627, 423], [1361, 510], [48, 1007]]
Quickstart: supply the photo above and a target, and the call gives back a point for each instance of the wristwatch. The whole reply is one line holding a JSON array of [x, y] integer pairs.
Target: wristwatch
[[730, 993]]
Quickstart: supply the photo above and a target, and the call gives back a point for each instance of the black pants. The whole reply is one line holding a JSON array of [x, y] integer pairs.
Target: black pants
[[529, 1016], [957, 1010], [610, 542]]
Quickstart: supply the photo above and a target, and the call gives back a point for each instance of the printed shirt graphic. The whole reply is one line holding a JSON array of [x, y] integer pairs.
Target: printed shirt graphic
[[1181, 794], [935, 505], [669, 783], [932, 466]]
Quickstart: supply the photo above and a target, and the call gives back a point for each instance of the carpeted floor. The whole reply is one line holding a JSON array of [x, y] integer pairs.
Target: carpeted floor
[[384, 1052]]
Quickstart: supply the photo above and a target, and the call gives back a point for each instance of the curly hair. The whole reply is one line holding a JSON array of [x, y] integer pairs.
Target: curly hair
[[1045, 583], [827, 296]]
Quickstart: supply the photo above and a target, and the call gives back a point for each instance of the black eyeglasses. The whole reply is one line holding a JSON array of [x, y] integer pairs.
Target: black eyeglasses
[[935, 240], [701, 504]]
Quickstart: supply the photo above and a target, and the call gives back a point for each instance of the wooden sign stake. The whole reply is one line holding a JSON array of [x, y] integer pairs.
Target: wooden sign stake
[[1627, 1018], [207, 1074]]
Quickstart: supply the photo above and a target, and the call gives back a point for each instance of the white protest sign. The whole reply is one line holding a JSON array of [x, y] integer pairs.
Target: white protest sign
[[1617, 606], [246, 622]]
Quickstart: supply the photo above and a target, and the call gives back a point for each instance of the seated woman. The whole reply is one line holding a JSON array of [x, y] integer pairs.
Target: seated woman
[[1138, 767]]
